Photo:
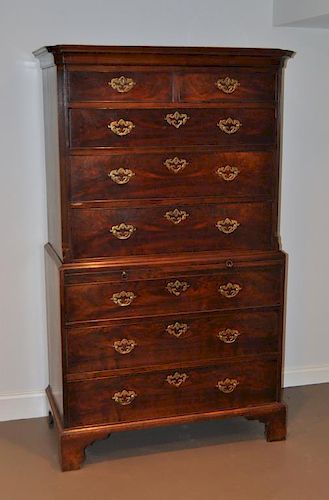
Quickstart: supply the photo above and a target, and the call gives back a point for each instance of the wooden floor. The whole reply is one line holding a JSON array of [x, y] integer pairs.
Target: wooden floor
[[226, 459]]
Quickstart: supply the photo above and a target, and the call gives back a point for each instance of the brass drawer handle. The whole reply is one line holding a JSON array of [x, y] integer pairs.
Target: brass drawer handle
[[121, 127], [124, 397], [122, 231], [228, 173], [177, 119], [228, 336], [122, 84], [177, 379], [176, 216], [229, 125], [124, 346], [175, 165], [177, 287], [121, 175], [230, 290], [123, 299], [177, 329], [227, 226], [227, 85], [228, 385]]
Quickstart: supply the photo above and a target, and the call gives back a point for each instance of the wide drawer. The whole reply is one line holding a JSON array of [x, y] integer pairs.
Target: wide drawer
[[226, 84], [171, 127], [165, 229], [118, 85], [177, 293], [171, 392], [171, 174], [174, 339]]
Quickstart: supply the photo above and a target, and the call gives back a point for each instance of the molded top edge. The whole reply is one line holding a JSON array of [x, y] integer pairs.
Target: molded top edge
[[166, 50], [102, 54]]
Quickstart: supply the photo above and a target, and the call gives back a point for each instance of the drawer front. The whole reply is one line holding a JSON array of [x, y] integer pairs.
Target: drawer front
[[170, 228], [171, 392], [171, 127], [175, 339], [172, 174], [226, 84], [122, 85], [124, 299]]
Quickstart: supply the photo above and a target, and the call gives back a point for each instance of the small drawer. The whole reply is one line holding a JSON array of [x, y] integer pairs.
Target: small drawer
[[170, 228], [171, 127], [174, 339], [171, 174], [226, 84], [122, 85], [172, 392], [211, 291]]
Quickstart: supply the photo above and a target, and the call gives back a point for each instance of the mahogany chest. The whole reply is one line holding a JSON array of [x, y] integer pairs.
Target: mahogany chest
[[165, 278]]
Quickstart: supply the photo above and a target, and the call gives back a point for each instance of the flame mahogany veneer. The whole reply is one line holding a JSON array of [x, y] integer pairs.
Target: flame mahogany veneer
[[165, 277]]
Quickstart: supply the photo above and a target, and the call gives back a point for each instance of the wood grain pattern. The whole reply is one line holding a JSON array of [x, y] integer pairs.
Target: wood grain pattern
[[201, 85], [92, 348], [197, 178], [89, 127], [91, 402], [114, 303], [93, 301], [154, 233], [73, 441], [94, 86]]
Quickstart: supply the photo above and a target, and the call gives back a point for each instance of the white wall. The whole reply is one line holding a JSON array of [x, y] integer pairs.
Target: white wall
[[299, 11], [26, 26]]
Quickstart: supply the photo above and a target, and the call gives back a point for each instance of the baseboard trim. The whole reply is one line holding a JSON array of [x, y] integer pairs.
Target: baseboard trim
[[308, 375], [34, 404], [21, 406]]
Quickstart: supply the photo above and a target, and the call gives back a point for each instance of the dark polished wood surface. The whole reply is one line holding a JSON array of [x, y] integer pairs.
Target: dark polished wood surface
[[177, 315], [91, 402], [173, 84], [96, 86], [94, 301], [90, 127], [172, 339], [187, 174], [154, 231]]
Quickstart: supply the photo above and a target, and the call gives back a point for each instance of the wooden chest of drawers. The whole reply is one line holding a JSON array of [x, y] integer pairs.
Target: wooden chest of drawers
[[165, 278]]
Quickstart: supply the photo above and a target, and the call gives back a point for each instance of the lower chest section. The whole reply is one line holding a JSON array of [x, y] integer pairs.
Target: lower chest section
[[148, 342]]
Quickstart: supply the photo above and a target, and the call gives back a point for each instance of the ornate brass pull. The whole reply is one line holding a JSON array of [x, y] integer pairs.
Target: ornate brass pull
[[175, 165], [229, 125], [177, 379], [228, 336], [123, 299], [228, 173], [122, 231], [124, 397], [176, 119], [228, 385], [227, 85], [121, 175], [124, 346], [230, 290], [121, 127], [177, 329], [177, 287], [176, 216], [122, 84], [227, 226]]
